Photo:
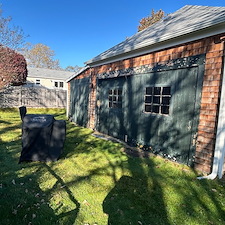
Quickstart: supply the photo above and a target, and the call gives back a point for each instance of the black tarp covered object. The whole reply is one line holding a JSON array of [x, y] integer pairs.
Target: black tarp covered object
[[43, 137]]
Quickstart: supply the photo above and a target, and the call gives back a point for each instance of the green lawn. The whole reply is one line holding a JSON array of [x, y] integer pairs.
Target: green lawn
[[95, 182]]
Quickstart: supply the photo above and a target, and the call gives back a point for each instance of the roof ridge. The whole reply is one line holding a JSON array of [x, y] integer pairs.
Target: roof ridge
[[203, 7], [39, 68]]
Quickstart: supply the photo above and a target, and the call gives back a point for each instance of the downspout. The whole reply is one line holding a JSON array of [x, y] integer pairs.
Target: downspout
[[219, 152]]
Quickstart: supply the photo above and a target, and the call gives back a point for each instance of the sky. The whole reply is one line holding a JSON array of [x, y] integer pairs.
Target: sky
[[78, 30]]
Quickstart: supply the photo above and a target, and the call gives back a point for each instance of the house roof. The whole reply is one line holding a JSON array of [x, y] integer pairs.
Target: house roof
[[187, 20], [49, 73]]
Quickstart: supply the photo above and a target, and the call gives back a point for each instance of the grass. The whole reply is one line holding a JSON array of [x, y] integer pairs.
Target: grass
[[95, 182]]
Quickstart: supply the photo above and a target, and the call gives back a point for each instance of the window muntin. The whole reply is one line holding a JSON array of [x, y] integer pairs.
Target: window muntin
[[115, 98], [157, 100]]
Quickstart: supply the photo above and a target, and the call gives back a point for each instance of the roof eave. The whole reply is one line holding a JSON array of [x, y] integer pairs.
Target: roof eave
[[77, 74], [148, 47]]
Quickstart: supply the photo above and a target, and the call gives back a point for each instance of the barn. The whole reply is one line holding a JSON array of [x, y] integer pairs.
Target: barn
[[161, 89]]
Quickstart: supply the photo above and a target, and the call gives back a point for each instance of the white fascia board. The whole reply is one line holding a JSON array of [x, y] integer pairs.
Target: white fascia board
[[76, 74], [220, 138], [200, 34]]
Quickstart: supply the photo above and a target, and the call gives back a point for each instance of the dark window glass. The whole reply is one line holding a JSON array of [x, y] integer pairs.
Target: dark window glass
[[155, 109], [61, 84], [148, 99], [166, 91], [165, 100], [148, 108], [119, 92], [149, 91], [165, 109], [157, 90], [156, 99]]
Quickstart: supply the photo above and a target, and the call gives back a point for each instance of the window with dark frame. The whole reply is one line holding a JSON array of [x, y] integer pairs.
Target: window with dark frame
[[115, 98], [61, 84], [38, 82], [157, 100], [58, 84]]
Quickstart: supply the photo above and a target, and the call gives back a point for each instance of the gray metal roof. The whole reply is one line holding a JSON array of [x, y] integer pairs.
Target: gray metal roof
[[186, 20], [49, 73]]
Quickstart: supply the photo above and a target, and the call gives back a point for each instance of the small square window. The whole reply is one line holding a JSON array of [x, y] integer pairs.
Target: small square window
[[38, 82], [61, 84], [115, 98], [157, 100]]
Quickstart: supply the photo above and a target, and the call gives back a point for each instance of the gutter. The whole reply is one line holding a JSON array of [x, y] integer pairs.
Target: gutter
[[219, 152]]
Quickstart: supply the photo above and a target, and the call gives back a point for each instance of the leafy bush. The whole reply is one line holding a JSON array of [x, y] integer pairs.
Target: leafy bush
[[13, 67]]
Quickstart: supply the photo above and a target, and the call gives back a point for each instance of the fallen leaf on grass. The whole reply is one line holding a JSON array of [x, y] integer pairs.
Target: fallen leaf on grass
[[14, 211], [37, 195], [86, 202]]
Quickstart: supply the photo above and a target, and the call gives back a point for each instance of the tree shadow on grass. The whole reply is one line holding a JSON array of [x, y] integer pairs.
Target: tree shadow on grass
[[136, 199], [23, 201], [68, 216], [163, 193]]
